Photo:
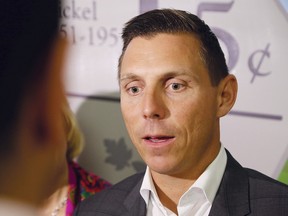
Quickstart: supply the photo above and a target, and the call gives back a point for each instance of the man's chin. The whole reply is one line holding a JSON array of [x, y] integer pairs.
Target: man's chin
[[163, 167]]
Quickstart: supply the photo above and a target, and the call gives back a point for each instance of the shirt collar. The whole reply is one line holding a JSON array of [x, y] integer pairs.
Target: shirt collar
[[208, 181], [147, 186]]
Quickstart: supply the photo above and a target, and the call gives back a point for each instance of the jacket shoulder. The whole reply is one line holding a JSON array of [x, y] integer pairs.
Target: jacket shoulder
[[245, 191], [265, 186], [267, 196]]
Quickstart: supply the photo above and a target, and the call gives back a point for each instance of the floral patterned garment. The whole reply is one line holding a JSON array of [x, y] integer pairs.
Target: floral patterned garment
[[82, 184]]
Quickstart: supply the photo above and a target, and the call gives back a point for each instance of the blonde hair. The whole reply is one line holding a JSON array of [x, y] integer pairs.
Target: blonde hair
[[75, 140]]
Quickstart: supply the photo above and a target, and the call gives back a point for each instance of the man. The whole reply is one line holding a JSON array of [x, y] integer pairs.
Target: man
[[31, 97], [175, 87]]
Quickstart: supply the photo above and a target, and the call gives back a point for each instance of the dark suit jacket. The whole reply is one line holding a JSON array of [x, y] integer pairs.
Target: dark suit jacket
[[242, 192]]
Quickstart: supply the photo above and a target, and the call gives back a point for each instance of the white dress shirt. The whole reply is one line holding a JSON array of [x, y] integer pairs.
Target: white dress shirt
[[197, 200]]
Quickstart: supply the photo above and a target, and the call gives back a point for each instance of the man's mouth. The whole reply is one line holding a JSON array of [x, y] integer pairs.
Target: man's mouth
[[158, 139]]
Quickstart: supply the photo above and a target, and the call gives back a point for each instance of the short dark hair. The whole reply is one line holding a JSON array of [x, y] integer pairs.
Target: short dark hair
[[27, 30], [173, 21]]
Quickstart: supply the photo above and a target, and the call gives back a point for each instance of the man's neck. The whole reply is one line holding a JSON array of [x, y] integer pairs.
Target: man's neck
[[168, 194]]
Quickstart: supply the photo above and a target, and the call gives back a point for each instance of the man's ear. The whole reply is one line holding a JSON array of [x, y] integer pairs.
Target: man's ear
[[48, 97], [39, 133], [53, 92], [227, 94]]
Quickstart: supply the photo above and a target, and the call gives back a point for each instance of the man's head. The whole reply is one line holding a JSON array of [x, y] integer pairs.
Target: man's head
[[173, 22], [31, 126], [28, 30], [174, 88]]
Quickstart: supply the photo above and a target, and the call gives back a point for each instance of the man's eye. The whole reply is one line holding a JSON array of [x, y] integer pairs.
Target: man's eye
[[133, 90], [176, 86]]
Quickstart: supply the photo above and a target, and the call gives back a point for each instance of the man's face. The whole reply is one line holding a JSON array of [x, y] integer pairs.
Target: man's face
[[168, 104]]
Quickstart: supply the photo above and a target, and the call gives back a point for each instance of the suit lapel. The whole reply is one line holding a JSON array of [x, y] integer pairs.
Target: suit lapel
[[134, 202], [232, 197]]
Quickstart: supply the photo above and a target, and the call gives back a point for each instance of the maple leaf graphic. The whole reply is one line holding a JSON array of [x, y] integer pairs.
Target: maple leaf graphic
[[118, 153]]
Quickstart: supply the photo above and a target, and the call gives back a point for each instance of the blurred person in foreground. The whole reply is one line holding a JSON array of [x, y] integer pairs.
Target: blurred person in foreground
[[31, 126], [175, 87], [74, 184]]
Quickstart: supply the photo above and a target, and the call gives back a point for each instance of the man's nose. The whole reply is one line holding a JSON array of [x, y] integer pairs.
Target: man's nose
[[153, 105]]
